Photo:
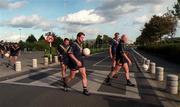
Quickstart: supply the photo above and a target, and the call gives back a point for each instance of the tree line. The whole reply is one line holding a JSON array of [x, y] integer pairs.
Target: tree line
[[33, 44], [159, 26]]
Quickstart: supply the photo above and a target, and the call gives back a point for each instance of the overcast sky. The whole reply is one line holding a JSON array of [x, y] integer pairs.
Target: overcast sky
[[68, 17]]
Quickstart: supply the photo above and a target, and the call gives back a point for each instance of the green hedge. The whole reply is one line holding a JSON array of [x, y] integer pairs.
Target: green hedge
[[97, 50], [47, 52], [169, 51]]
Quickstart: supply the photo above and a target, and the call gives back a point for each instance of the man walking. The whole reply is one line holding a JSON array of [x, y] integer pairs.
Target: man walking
[[122, 60], [77, 63], [63, 57], [112, 51]]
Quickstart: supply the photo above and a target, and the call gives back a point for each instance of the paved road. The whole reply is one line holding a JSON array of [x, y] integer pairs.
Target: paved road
[[43, 88]]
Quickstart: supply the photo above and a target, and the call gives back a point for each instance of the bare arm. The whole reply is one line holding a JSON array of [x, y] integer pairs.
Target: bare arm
[[73, 57], [110, 52]]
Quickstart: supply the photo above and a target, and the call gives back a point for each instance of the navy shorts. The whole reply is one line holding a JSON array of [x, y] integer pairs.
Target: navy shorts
[[121, 61], [13, 54], [73, 66]]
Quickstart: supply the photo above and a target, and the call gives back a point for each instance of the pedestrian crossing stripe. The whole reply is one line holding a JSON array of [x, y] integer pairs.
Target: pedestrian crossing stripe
[[95, 81]]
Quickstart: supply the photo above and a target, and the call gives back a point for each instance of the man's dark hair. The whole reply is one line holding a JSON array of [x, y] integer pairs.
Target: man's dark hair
[[116, 34], [66, 39], [80, 33]]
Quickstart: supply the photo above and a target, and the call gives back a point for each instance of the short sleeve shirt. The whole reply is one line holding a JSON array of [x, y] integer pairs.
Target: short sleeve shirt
[[113, 45], [62, 51], [121, 48], [76, 50]]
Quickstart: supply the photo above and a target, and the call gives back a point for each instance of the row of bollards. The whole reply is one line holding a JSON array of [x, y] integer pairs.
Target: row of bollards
[[171, 79], [35, 63]]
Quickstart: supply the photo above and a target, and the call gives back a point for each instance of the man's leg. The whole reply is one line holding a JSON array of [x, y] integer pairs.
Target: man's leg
[[63, 73], [71, 76], [10, 61], [63, 70], [113, 64], [126, 68], [111, 74], [15, 59], [68, 79], [116, 74], [84, 80]]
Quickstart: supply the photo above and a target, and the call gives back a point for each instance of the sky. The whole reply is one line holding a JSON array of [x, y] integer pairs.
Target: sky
[[21, 18]]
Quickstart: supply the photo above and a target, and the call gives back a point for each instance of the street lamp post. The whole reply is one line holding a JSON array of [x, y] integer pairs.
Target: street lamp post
[[20, 34]]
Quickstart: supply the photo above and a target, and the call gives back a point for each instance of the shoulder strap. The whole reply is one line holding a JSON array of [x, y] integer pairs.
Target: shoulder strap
[[78, 45], [65, 49]]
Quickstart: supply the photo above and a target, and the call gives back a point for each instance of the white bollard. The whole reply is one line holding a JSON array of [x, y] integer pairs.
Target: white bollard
[[148, 62], [18, 66], [46, 62], [145, 67], [34, 63], [152, 67], [144, 60], [56, 59], [141, 61], [159, 73], [172, 84]]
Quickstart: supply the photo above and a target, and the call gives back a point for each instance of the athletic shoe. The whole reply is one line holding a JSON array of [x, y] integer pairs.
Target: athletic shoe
[[130, 84], [66, 88], [108, 81], [85, 92]]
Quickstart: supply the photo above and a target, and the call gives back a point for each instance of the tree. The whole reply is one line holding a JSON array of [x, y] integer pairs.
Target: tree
[[170, 24], [86, 44], [57, 41], [22, 44], [157, 27], [31, 39], [98, 40], [176, 10], [41, 38], [106, 39], [99, 37], [42, 45]]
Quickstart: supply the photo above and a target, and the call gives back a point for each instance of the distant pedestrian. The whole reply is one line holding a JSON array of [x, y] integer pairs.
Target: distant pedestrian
[[14, 53]]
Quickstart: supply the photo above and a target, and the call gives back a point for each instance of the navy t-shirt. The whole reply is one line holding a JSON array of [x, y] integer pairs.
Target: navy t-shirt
[[121, 49], [62, 52], [14, 50], [76, 50], [113, 45]]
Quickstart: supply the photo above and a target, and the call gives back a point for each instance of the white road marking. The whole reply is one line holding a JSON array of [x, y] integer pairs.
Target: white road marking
[[95, 83], [26, 75], [95, 80], [100, 61]]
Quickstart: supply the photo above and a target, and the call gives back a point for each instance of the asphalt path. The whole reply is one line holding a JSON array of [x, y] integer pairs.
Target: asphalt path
[[43, 88]]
